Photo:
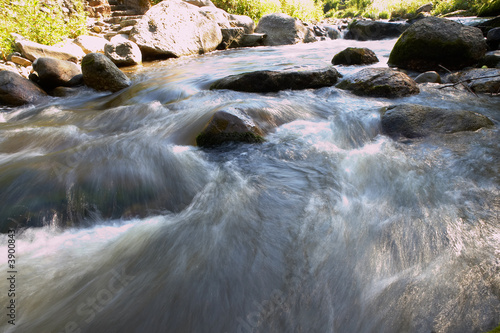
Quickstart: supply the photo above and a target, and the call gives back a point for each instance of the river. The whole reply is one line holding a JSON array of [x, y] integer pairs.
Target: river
[[328, 226]]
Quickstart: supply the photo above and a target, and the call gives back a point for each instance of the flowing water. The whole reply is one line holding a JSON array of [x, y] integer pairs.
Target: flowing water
[[328, 226]]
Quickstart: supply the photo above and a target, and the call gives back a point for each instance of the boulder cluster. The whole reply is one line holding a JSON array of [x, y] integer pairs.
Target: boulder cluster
[[175, 28]]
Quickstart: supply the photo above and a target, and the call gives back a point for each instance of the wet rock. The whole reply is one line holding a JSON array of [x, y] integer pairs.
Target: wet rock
[[16, 90], [413, 121], [491, 60], [54, 73], [174, 28], [250, 40], [355, 56], [101, 74], [273, 81], [282, 29], [91, 44], [380, 82], [428, 77], [229, 125], [493, 39], [433, 41], [333, 31], [375, 30], [242, 21], [483, 80], [65, 91], [123, 52]]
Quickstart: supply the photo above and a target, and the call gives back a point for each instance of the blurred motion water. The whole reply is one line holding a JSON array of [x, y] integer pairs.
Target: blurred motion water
[[328, 226]]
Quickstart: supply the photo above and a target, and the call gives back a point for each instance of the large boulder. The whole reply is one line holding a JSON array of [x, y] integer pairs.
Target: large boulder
[[413, 121], [16, 90], [229, 125], [242, 21], [355, 56], [174, 28], [479, 80], [31, 50], [273, 81], [380, 82], [375, 30], [57, 73], [101, 74], [220, 16], [123, 52], [282, 29], [433, 41]]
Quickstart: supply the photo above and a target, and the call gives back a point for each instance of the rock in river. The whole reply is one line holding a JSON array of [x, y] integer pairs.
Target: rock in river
[[101, 74], [413, 121], [282, 29], [16, 90], [433, 41], [380, 82], [273, 81], [229, 125], [355, 56]]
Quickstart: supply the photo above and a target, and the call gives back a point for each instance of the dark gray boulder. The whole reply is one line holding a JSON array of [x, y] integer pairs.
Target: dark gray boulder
[[493, 39], [413, 121], [282, 29], [53, 73], [433, 41], [229, 125], [380, 82], [355, 56], [273, 81], [16, 90], [101, 74], [375, 30], [491, 59]]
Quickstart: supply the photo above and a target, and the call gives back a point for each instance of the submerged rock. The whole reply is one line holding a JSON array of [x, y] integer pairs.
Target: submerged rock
[[380, 82], [57, 73], [273, 81], [282, 29], [355, 56], [229, 126], [375, 30], [433, 41], [174, 28], [101, 74], [16, 90], [413, 121]]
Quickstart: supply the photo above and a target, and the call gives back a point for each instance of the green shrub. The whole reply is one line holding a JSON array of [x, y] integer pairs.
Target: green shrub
[[303, 9], [38, 22]]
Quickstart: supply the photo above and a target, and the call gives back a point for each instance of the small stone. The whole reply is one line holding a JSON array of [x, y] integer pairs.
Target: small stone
[[428, 77], [20, 61]]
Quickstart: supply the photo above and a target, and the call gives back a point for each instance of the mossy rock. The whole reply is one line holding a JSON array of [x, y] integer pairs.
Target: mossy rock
[[433, 41], [355, 56]]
